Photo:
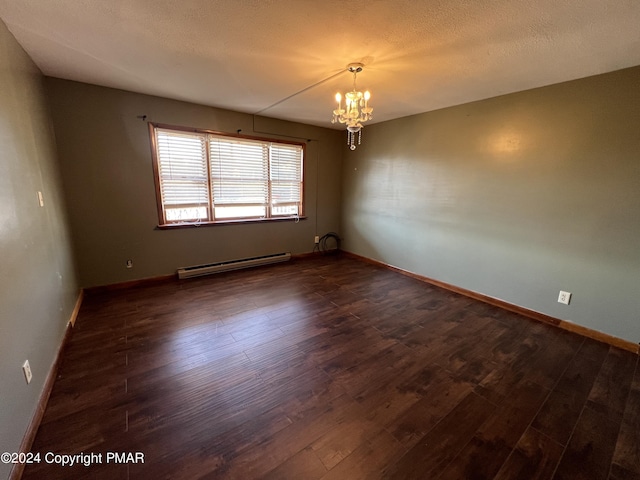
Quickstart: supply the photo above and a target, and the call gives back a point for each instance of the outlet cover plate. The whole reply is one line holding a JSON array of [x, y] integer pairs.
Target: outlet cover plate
[[564, 297], [26, 369]]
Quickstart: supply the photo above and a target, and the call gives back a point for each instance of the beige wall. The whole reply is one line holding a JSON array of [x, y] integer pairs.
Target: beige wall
[[37, 285], [108, 179], [515, 197]]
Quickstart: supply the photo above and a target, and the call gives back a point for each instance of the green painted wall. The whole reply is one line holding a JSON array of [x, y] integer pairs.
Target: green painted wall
[[515, 197], [38, 289], [106, 166]]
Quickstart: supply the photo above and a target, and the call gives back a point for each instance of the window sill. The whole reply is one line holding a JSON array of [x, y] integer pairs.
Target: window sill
[[172, 226]]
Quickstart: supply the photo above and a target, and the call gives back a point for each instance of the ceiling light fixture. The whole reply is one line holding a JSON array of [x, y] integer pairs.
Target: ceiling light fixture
[[356, 111]]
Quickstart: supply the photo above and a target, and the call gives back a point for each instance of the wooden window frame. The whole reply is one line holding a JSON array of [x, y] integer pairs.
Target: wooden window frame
[[210, 206]]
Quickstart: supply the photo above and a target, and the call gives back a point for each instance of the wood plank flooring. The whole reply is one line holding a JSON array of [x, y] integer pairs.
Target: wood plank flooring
[[333, 368]]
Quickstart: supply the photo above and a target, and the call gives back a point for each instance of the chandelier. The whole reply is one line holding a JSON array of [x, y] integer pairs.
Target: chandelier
[[356, 109]]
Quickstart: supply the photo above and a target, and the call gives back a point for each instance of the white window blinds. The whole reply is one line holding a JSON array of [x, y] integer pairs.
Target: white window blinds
[[205, 177], [182, 167], [286, 179]]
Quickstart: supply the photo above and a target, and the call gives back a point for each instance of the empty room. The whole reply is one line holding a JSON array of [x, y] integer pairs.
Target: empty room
[[320, 240]]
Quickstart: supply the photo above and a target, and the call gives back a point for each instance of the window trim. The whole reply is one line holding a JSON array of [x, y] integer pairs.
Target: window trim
[[162, 224]]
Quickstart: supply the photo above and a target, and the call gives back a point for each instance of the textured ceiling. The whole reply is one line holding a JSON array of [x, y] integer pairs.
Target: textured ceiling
[[283, 58]]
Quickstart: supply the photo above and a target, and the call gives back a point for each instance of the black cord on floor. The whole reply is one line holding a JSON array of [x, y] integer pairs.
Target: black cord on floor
[[329, 243]]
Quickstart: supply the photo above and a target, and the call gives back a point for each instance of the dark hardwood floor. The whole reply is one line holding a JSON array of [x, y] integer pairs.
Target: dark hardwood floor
[[332, 368]]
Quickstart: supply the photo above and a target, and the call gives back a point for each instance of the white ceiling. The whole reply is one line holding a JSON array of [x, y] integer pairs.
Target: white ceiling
[[283, 58]]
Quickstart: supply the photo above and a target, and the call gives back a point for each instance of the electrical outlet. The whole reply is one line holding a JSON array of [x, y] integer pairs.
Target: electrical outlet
[[316, 239], [564, 297], [129, 263], [26, 369]]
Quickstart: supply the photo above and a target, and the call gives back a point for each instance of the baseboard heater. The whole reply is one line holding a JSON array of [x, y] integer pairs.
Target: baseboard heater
[[200, 270]]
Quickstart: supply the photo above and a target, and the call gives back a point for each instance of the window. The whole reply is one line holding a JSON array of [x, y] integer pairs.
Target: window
[[206, 177]]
